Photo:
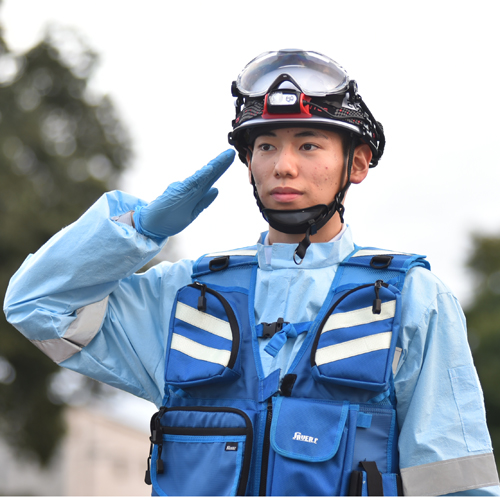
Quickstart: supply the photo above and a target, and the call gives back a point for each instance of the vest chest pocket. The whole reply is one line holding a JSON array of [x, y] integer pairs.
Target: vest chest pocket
[[355, 342], [311, 445], [204, 339], [211, 457]]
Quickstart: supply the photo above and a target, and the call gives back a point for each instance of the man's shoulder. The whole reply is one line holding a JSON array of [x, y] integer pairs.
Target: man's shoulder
[[425, 296], [388, 264], [250, 250], [420, 281], [368, 251], [425, 281], [223, 259]]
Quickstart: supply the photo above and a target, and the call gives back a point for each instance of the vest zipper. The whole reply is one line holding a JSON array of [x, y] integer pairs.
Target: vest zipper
[[202, 300], [377, 303], [285, 390], [266, 448]]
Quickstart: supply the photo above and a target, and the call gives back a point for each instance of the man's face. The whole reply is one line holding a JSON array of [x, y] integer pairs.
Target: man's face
[[296, 168]]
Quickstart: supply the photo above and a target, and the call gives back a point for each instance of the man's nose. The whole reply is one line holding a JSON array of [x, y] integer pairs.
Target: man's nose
[[286, 164]]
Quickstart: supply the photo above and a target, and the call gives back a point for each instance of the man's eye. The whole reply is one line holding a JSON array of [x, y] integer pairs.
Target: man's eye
[[309, 147], [265, 147]]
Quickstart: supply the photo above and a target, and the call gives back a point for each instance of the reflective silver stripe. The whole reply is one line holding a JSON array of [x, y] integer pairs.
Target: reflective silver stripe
[[57, 350], [79, 334], [354, 347], [450, 476], [395, 361], [203, 321], [87, 323], [359, 317], [368, 252], [124, 218], [232, 252], [198, 351]]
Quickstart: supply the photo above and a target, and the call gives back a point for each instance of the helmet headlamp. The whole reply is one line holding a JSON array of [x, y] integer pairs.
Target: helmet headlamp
[[285, 103], [280, 98]]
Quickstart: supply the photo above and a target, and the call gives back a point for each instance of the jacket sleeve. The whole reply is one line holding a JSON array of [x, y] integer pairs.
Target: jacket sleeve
[[79, 301], [444, 444]]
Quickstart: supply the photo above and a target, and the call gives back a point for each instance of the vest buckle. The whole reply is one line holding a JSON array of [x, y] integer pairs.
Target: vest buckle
[[269, 329]]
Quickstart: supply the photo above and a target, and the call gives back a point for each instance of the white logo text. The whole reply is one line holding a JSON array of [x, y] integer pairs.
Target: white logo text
[[307, 439]]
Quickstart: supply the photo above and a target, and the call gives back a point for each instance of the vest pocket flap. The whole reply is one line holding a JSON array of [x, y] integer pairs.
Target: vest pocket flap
[[355, 342], [307, 430], [204, 338]]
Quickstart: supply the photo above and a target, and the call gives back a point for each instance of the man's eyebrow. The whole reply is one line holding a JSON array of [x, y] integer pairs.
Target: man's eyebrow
[[266, 134], [304, 133], [310, 133]]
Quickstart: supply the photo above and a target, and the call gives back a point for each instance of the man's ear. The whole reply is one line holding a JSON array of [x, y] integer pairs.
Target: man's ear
[[360, 163]]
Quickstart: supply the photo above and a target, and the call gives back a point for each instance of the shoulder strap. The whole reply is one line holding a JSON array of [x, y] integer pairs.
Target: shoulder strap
[[364, 264], [371, 264], [229, 268]]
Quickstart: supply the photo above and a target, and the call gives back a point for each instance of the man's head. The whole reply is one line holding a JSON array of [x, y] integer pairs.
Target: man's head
[[295, 89]]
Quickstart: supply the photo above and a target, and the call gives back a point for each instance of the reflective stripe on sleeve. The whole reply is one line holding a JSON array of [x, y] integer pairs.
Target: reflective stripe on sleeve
[[354, 347], [368, 252], [450, 476], [198, 351], [57, 350], [125, 218], [232, 252], [87, 323], [79, 334], [203, 321], [360, 317]]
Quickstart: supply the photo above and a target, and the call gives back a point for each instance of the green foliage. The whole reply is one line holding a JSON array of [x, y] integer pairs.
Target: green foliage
[[483, 319], [60, 148]]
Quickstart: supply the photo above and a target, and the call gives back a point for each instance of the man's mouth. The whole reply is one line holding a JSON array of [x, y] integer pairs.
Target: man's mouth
[[285, 194]]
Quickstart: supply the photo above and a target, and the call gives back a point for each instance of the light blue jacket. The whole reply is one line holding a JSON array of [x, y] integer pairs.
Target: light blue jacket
[[79, 301]]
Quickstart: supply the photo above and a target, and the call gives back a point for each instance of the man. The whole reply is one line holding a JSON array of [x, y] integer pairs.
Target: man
[[304, 365]]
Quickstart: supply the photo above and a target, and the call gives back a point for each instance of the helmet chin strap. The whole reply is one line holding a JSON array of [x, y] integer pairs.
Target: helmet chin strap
[[306, 220]]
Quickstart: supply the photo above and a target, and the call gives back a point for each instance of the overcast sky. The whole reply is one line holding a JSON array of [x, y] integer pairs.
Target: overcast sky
[[428, 71]]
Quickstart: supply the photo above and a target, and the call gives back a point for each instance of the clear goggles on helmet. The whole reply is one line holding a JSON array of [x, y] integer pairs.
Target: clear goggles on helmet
[[316, 74]]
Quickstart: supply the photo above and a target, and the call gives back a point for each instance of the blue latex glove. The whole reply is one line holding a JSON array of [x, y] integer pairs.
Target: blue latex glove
[[182, 202]]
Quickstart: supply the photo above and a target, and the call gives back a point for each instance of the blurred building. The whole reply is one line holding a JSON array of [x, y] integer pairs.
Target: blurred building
[[98, 457]]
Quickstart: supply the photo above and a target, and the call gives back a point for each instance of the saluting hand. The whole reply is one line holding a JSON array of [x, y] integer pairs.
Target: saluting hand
[[182, 202]]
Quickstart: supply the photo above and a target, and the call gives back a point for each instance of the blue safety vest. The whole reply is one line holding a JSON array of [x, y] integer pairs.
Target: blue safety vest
[[325, 428]]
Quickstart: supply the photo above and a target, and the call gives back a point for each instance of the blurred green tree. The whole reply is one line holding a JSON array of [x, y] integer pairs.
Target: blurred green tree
[[483, 320], [61, 147]]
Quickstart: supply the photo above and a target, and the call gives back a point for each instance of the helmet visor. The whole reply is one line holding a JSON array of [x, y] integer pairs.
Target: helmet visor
[[316, 74]]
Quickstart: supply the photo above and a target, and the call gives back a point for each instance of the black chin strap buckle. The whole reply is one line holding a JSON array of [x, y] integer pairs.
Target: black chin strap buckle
[[300, 251]]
